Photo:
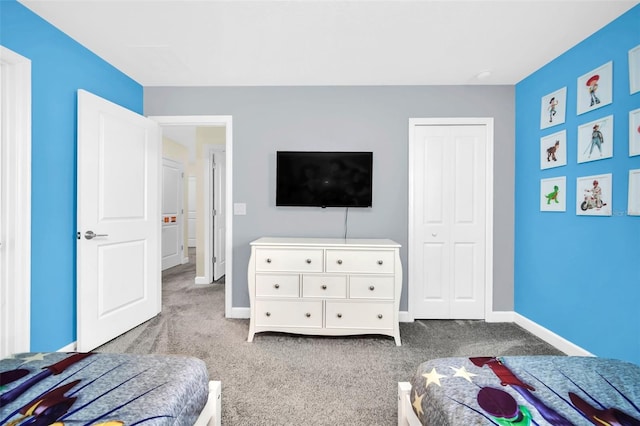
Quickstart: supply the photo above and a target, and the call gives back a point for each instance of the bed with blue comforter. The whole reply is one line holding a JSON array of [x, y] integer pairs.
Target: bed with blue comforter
[[526, 390], [101, 389]]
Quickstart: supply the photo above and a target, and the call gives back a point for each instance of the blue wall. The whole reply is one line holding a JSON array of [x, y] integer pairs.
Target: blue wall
[[59, 67], [579, 276]]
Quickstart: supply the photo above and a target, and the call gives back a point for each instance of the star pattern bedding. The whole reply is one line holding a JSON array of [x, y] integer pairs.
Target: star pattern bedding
[[526, 390], [101, 389]]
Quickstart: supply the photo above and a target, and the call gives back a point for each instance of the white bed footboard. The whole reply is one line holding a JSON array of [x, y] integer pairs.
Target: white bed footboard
[[211, 414], [406, 416]]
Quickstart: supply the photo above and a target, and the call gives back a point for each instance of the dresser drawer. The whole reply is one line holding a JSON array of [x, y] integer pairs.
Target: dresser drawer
[[294, 260], [277, 285], [369, 315], [326, 286], [284, 313], [371, 287], [370, 261]]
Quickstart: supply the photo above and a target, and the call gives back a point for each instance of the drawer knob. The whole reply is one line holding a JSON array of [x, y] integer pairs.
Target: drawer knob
[[339, 261], [308, 315], [268, 260], [324, 286], [380, 262], [339, 315], [276, 285], [308, 260], [380, 316], [371, 288], [268, 314]]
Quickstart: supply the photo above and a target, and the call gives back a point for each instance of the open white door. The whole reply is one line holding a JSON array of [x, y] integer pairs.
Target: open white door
[[172, 213], [119, 227], [219, 217]]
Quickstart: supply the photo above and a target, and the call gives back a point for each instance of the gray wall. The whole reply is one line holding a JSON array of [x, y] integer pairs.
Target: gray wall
[[268, 119]]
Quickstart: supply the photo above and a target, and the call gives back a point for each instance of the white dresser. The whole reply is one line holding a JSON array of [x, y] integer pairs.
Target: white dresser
[[325, 286]]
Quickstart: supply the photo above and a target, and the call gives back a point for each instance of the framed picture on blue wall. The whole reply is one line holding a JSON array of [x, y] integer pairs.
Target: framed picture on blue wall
[[634, 70], [633, 208], [553, 108], [595, 140], [595, 88], [553, 150], [634, 132], [593, 195], [553, 194]]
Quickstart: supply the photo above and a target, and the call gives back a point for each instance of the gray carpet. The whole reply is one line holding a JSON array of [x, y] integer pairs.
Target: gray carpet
[[282, 379]]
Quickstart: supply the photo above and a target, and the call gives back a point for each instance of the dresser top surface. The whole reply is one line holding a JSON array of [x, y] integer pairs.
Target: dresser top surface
[[325, 242]]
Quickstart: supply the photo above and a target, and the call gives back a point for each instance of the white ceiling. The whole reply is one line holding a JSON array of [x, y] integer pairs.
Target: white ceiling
[[327, 42]]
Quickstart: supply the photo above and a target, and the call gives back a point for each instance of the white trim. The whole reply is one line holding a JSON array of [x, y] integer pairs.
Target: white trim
[[225, 121], [488, 123], [550, 337], [71, 347], [185, 260], [500, 316], [240, 313], [15, 234], [405, 316], [202, 281]]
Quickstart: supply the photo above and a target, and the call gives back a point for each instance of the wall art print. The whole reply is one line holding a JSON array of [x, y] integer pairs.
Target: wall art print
[[595, 88], [553, 150], [634, 132], [593, 195], [595, 140], [553, 194], [634, 70], [633, 208], [553, 108]]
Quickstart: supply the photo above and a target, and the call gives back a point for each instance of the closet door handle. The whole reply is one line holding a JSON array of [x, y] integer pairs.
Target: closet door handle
[[90, 235]]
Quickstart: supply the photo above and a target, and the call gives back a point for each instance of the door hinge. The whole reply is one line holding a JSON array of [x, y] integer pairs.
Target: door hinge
[[214, 260], [214, 212]]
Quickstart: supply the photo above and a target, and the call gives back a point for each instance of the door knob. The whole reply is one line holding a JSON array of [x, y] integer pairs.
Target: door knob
[[90, 235]]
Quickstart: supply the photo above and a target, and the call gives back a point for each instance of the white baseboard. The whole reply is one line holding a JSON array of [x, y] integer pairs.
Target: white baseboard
[[185, 260], [71, 347], [500, 316], [240, 313], [202, 281], [550, 337], [539, 331], [404, 316]]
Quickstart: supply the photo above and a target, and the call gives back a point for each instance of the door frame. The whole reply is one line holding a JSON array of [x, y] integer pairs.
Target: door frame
[[455, 121], [15, 141], [225, 121]]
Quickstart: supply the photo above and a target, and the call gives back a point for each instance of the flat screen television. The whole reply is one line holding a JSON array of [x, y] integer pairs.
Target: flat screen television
[[324, 179]]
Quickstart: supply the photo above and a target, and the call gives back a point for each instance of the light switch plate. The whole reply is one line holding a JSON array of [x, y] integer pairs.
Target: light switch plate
[[239, 209]]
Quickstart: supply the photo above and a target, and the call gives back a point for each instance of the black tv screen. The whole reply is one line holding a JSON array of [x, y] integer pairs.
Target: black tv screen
[[324, 179]]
